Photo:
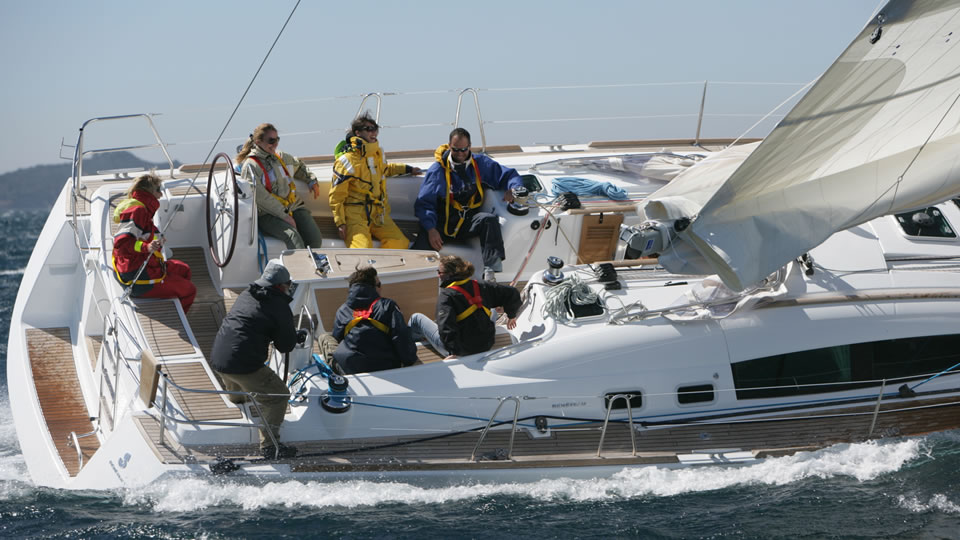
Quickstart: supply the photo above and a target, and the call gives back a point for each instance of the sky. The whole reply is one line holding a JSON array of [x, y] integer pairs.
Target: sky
[[547, 72]]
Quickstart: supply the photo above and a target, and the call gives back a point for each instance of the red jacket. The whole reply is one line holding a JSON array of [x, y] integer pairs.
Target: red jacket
[[133, 238]]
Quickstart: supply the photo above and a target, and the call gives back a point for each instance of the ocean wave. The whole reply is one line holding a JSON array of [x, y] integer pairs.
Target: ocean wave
[[937, 503], [13, 272], [865, 461]]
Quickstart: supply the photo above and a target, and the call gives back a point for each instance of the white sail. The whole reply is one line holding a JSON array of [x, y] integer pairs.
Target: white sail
[[877, 134]]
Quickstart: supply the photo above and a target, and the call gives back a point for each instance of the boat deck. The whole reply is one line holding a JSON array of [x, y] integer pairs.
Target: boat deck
[[59, 394]]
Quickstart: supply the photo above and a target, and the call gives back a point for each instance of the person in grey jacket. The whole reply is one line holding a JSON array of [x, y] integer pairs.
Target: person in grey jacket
[[260, 315]]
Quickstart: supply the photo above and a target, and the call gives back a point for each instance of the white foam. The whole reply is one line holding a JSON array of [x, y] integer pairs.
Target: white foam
[[14, 478], [863, 462], [938, 502]]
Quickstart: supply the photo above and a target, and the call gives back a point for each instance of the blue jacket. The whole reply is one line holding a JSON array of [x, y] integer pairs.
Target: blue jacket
[[366, 348], [431, 201]]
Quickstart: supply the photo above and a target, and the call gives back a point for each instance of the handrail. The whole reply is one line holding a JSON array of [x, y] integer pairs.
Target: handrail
[[76, 444], [379, 96], [476, 102], [79, 153], [606, 420], [703, 101], [513, 430], [262, 423]]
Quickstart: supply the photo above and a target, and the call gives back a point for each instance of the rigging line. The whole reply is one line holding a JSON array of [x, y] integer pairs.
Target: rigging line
[[236, 108], [896, 185], [129, 289], [775, 109]]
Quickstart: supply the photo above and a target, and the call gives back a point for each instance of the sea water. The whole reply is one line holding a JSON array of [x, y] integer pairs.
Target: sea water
[[902, 488]]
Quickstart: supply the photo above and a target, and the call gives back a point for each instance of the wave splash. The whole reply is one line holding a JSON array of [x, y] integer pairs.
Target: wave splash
[[863, 461], [937, 503]]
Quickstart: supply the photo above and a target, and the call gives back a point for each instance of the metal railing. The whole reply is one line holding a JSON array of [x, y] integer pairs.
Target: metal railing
[[379, 96], [476, 102], [80, 153], [251, 396], [606, 420], [513, 430]]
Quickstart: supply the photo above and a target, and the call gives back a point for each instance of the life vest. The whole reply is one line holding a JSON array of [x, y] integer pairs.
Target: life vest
[[475, 300], [373, 204], [476, 200], [361, 315], [122, 207], [292, 196]]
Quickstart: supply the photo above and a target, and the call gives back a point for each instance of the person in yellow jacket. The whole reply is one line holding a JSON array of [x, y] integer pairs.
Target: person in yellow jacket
[[281, 212], [358, 191]]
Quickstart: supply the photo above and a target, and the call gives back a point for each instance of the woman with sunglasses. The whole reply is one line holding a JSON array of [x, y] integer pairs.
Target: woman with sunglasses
[[358, 190], [281, 212], [138, 240]]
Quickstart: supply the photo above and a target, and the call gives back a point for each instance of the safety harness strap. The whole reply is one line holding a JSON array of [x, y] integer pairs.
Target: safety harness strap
[[476, 200], [361, 315], [475, 300], [269, 185], [141, 281]]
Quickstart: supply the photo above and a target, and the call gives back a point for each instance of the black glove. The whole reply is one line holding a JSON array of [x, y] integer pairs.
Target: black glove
[[301, 336]]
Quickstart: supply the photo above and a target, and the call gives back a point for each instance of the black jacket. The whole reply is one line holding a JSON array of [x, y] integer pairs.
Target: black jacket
[[259, 316], [475, 333], [366, 348]]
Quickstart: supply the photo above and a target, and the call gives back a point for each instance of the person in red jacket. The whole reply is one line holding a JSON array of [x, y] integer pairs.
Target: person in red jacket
[[137, 240]]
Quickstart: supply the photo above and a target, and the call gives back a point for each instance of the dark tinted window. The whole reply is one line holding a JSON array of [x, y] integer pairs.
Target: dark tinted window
[[928, 222], [531, 182], [845, 366], [695, 394]]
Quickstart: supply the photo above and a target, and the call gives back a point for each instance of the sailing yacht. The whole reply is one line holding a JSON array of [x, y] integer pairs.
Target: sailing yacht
[[747, 301]]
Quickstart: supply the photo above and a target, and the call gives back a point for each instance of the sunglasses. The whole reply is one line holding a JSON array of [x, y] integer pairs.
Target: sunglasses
[[272, 140], [455, 149], [370, 128]]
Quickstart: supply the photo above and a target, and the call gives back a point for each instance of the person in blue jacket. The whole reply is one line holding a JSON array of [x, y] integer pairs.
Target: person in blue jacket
[[372, 332], [448, 205]]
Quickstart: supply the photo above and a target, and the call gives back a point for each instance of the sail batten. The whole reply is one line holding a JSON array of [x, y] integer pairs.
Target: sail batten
[[877, 134]]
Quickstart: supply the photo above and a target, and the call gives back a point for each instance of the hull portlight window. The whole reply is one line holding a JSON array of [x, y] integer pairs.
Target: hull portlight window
[[699, 393]]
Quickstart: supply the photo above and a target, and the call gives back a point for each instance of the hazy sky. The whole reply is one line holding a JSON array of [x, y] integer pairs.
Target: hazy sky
[[67, 61]]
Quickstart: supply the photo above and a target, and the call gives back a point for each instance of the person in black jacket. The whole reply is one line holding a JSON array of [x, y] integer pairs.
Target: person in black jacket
[[463, 322], [260, 315], [372, 332]]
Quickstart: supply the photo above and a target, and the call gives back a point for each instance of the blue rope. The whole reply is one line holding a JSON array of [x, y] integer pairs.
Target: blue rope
[[261, 251], [585, 186], [951, 368]]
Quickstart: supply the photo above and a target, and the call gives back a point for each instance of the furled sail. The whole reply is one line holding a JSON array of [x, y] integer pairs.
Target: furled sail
[[879, 133]]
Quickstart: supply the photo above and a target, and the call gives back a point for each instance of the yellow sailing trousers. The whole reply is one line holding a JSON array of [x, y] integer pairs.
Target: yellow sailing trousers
[[360, 235]]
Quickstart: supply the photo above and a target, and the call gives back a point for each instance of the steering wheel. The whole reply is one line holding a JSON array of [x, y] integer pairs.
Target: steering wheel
[[222, 212]]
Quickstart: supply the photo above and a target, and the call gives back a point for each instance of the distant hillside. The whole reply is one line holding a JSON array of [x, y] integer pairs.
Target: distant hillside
[[38, 186]]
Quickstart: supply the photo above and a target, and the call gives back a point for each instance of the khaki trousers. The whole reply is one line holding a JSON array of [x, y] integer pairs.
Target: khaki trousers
[[273, 407]]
